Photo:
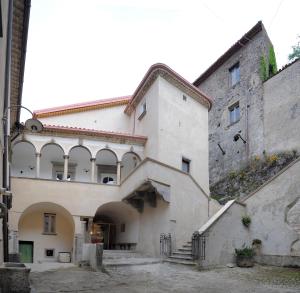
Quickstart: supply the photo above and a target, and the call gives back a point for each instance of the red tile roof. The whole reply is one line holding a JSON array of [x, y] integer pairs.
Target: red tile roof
[[81, 107], [93, 132]]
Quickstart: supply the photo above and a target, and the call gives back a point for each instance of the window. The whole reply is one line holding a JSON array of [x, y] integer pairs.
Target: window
[[49, 224], [185, 167], [142, 110], [234, 113], [235, 74], [49, 252], [184, 97]]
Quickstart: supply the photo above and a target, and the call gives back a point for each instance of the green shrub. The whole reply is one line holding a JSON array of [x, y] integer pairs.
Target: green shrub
[[246, 251], [246, 220], [256, 242]]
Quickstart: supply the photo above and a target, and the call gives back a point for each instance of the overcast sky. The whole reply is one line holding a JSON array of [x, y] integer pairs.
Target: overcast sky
[[96, 49]]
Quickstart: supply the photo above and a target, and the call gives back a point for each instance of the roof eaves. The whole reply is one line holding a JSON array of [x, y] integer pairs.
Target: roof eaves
[[232, 50], [150, 76]]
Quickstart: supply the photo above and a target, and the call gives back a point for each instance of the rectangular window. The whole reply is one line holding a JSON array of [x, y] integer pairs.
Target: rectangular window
[[49, 224], [234, 113], [185, 167], [49, 252], [235, 74], [142, 110]]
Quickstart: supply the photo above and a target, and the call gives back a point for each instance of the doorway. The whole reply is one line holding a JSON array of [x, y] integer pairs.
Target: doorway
[[26, 251], [104, 233]]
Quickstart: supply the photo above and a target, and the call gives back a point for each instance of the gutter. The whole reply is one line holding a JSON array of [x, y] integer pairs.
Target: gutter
[[27, 5]]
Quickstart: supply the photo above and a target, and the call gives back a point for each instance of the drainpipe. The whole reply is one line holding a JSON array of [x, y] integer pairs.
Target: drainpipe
[[6, 179]]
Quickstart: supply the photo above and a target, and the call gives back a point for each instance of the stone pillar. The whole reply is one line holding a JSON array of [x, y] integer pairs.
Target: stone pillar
[[14, 246], [118, 172], [37, 165], [78, 245], [66, 166], [93, 168]]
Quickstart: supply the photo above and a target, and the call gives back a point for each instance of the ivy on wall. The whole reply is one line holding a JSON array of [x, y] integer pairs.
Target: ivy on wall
[[268, 66]]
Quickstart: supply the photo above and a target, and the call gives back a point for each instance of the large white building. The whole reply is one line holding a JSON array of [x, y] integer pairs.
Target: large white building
[[119, 171]]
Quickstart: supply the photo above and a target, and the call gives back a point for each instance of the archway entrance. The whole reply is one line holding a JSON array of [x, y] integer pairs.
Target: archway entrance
[[116, 225], [46, 233]]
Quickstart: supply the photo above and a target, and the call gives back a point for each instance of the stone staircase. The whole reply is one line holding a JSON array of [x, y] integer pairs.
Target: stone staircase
[[182, 256]]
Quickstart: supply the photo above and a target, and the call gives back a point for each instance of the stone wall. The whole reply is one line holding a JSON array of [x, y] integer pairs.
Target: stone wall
[[282, 109], [248, 92]]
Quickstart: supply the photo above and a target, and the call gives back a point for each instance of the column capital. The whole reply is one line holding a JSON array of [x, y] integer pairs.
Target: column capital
[[38, 154], [66, 156], [93, 159]]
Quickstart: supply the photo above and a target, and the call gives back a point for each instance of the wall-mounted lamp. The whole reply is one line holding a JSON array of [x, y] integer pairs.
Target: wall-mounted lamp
[[237, 137]]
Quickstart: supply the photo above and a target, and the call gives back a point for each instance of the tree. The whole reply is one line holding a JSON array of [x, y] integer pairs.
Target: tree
[[296, 51]]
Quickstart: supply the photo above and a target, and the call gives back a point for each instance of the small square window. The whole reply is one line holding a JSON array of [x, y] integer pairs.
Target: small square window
[[184, 97], [49, 223], [49, 252], [235, 74], [185, 167], [234, 113]]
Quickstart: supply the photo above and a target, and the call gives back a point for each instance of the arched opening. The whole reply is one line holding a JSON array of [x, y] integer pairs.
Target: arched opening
[[46, 230], [23, 160], [52, 162], [79, 167], [130, 161], [116, 225], [106, 161]]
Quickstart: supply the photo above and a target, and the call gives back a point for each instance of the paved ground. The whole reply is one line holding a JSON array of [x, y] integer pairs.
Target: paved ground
[[162, 278]]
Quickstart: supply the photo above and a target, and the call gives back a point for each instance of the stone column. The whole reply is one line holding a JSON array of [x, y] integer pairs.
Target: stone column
[[118, 172], [38, 165], [78, 246], [66, 166], [93, 168]]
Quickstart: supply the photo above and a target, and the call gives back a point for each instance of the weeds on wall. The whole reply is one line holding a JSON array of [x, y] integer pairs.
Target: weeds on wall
[[268, 66], [246, 220]]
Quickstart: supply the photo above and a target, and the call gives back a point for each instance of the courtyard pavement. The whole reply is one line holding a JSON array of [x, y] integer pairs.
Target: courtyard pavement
[[163, 277]]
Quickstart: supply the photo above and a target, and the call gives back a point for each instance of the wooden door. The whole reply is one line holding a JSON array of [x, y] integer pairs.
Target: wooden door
[[26, 251]]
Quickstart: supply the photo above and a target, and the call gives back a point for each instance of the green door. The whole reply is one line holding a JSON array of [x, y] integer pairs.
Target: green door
[[26, 251]]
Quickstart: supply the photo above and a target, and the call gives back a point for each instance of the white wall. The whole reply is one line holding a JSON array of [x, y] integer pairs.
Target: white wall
[[108, 119], [31, 229]]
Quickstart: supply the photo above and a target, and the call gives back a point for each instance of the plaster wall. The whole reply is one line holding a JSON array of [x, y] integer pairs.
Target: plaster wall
[[31, 229], [275, 213], [183, 131], [249, 93], [107, 119], [148, 125], [226, 234], [282, 110]]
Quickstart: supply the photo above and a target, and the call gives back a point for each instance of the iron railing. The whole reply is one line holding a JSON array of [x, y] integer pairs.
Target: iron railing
[[165, 244], [198, 246]]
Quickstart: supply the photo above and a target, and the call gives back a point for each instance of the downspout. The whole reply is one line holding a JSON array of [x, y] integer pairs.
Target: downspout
[[6, 179]]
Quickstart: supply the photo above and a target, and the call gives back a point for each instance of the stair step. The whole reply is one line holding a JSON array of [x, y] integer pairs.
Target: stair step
[[187, 246], [185, 250], [182, 253], [181, 257], [180, 262]]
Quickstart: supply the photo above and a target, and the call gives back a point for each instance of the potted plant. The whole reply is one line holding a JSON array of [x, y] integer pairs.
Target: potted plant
[[244, 257], [256, 245]]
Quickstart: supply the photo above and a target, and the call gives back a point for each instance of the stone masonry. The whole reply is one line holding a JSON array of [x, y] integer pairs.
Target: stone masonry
[[248, 92]]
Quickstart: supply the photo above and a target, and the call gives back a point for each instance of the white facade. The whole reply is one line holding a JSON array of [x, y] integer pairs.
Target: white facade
[[113, 174]]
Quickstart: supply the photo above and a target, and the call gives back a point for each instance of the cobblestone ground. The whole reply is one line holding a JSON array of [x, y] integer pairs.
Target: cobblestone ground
[[162, 278]]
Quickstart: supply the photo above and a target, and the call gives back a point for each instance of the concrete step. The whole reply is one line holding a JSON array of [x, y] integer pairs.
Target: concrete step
[[187, 246], [180, 262], [185, 250], [182, 253], [185, 257]]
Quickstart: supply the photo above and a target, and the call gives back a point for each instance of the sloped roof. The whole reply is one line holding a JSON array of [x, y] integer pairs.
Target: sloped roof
[[232, 50], [93, 132], [81, 107], [173, 77]]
